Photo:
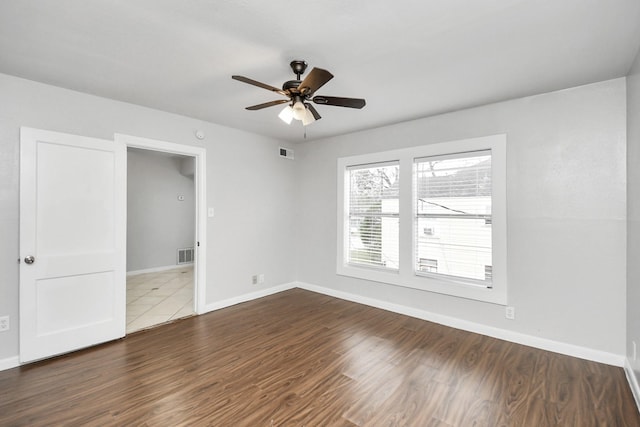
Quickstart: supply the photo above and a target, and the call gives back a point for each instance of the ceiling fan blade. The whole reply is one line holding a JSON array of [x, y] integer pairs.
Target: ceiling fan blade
[[314, 81], [267, 104], [314, 112], [259, 84], [340, 102]]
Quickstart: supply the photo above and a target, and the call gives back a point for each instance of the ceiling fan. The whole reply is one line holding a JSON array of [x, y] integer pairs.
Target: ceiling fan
[[300, 93]]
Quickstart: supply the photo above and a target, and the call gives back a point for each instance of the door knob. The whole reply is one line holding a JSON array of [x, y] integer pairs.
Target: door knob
[[29, 259]]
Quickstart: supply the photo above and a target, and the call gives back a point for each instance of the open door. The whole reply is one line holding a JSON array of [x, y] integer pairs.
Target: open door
[[72, 242]]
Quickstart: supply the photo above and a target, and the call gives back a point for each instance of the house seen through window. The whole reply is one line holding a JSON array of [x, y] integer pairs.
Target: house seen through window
[[453, 196]]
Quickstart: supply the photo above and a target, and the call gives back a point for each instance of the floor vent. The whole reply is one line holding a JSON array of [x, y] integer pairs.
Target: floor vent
[[185, 255]]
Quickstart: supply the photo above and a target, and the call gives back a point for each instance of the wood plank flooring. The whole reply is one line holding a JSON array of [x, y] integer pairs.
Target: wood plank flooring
[[303, 359]]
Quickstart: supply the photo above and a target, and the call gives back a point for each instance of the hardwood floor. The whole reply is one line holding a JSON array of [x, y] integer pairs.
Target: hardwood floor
[[303, 359]]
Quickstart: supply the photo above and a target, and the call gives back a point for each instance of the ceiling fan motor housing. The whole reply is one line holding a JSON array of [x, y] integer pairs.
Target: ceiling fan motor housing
[[298, 67], [291, 85]]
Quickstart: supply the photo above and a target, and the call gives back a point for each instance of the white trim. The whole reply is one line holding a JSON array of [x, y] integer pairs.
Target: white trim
[[249, 297], [9, 363], [155, 269], [633, 381], [13, 362], [516, 337], [200, 179], [406, 275]]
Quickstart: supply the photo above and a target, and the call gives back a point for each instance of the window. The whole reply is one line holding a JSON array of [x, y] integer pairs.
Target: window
[[373, 215], [453, 193], [430, 218]]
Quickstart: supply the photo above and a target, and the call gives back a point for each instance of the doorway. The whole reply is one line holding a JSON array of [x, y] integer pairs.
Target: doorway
[[167, 290], [73, 238], [160, 237]]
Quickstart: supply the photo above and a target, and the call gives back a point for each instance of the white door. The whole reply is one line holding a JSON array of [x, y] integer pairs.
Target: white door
[[72, 242]]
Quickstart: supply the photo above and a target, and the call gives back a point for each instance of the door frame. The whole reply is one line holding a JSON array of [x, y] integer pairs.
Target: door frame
[[200, 157]]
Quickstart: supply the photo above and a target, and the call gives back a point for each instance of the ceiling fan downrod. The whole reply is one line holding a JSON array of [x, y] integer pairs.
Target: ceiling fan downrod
[[298, 67]]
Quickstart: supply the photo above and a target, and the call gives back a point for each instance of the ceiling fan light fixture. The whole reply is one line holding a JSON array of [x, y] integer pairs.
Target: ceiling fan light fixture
[[299, 110], [286, 115], [308, 118]]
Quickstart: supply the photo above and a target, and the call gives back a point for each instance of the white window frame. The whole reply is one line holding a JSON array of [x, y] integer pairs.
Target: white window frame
[[406, 275]]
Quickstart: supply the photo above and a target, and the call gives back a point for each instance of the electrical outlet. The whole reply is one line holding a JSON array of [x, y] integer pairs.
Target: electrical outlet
[[254, 279], [4, 323], [260, 279], [510, 313]]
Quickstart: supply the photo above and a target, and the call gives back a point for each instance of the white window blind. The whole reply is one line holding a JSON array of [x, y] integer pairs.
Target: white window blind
[[453, 201], [374, 215]]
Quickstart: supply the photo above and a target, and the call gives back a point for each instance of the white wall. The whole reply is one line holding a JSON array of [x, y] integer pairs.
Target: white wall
[[157, 222], [566, 203], [249, 185], [566, 213], [633, 216]]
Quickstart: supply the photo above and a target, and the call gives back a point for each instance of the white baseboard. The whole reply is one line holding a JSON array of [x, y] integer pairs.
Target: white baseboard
[[9, 363], [13, 362], [516, 337], [633, 381], [156, 269], [248, 297]]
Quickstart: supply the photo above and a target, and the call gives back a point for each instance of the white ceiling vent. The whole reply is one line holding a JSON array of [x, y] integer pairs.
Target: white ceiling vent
[[287, 153]]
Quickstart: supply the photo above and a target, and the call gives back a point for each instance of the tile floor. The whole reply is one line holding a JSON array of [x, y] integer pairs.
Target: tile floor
[[154, 298]]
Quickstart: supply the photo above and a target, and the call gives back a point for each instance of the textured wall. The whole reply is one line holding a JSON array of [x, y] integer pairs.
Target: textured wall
[[157, 222], [566, 213], [248, 184], [633, 215]]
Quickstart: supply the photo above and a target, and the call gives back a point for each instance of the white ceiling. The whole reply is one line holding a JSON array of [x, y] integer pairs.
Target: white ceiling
[[408, 58]]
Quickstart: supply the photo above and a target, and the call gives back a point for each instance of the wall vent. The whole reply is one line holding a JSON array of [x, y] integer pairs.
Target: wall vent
[[185, 255], [287, 153]]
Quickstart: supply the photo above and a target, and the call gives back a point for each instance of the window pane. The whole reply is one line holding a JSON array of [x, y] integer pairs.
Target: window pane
[[454, 186], [373, 216], [453, 214], [460, 247]]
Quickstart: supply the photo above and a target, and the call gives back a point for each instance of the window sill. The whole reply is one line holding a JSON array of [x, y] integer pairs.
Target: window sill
[[441, 285]]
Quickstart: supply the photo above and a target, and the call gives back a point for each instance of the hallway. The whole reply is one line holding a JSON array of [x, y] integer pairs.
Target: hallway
[[159, 297]]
